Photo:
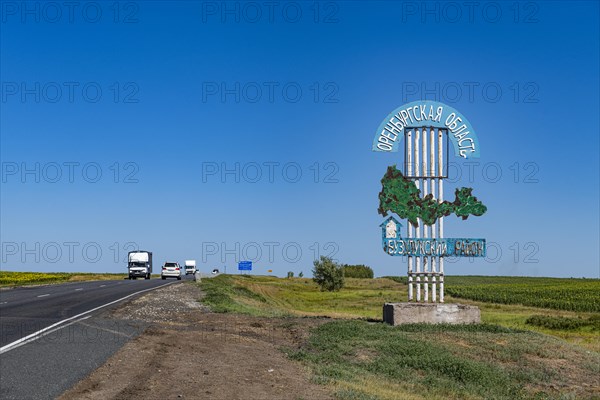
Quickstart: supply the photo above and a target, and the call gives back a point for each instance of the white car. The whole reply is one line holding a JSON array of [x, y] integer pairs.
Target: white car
[[171, 270]]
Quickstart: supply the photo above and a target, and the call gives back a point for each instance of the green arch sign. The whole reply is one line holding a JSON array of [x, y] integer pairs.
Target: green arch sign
[[424, 114]]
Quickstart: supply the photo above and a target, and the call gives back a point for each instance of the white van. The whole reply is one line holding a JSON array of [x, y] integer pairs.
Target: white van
[[139, 264], [190, 267]]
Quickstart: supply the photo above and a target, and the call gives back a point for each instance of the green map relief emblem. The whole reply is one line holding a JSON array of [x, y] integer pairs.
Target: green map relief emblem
[[402, 197]]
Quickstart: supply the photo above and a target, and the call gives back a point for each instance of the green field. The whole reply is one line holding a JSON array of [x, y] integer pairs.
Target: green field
[[554, 293], [509, 356], [363, 298], [271, 296], [9, 278]]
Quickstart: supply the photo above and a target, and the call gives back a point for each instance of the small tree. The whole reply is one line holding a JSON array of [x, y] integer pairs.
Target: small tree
[[301, 274], [328, 274], [290, 274]]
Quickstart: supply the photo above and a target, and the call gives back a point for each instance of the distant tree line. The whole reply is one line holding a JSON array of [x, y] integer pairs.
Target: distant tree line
[[357, 271], [330, 275]]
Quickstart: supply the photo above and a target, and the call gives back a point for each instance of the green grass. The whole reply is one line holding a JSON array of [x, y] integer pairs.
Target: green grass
[[10, 278], [361, 359], [515, 312], [224, 295], [363, 298], [268, 296]]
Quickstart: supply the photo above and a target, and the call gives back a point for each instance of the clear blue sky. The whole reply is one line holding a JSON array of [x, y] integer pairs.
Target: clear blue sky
[[160, 97]]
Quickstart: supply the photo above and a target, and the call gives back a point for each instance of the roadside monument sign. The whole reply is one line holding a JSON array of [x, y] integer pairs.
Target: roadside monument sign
[[425, 129]]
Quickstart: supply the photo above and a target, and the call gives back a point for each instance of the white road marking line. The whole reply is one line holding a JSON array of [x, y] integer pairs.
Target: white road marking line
[[42, 334], [4, 302], [43, 295], [79, 289], [105, 329], [55, 326]]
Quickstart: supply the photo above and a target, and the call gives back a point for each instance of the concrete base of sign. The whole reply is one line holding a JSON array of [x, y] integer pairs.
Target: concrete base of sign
[[430, 313]]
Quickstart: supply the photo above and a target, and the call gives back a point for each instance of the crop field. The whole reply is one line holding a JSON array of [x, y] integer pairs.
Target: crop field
[[554, 293], [9, 278]]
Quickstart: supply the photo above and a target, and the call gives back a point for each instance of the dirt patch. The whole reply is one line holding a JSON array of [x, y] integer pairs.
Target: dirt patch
[[189, 352]]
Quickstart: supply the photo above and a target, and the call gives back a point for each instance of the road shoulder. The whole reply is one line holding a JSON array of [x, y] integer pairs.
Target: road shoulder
[[189, 352]]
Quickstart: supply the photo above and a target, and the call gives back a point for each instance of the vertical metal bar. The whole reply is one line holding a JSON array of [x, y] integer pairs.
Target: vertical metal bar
[[432, 173], [425, 227], [441, 198], [419, 222], [409, 172]]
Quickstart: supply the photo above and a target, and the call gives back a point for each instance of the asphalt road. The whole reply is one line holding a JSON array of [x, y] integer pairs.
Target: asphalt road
[[26, 310], [47, 366]]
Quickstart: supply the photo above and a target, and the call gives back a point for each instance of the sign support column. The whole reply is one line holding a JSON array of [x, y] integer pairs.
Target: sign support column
[[432, 182], [440, 200], [409, 169], [419, 222]]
